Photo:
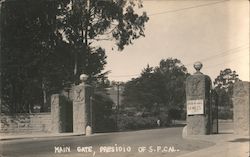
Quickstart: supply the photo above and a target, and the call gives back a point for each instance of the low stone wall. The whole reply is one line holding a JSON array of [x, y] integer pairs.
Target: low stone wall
[[241, 108], [26, 123]]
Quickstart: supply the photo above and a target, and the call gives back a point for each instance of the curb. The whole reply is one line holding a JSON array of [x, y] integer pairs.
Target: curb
[[6, 138], [221, 146]]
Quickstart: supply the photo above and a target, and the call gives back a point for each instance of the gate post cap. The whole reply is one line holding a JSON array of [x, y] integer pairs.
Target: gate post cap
[[83, 77], [197, 66]]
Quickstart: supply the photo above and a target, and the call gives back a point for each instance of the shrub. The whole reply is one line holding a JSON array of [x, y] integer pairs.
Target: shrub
[[164, 119], [135, 122]]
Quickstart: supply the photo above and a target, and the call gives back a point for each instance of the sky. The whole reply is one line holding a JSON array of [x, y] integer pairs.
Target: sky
[[215, 32]]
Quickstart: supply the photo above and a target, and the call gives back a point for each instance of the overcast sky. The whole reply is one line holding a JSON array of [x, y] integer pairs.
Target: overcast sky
[[214, 32]]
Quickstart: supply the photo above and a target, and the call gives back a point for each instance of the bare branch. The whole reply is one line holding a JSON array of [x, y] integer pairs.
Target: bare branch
[[111, 30]]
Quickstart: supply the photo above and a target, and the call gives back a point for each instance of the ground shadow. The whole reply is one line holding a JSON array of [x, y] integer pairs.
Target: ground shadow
[[225, 132], [177, 125], [240, 140]]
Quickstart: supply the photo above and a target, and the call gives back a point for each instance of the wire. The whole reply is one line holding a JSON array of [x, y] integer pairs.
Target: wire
[[216, 65], [224, 53], [187, 8]]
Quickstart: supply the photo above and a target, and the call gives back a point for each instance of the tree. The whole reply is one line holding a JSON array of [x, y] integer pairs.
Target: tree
[[47, 45], [26, 48], [162, 87], [173, 76], [224, 86], [82, 23], [226, 79], [139, 92]]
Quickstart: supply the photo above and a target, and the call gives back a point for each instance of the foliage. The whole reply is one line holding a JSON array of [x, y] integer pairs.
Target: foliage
[[83, 23], [175, 113], [45, 45], [27, 47], [103, 118], [226, 79], [136, 122], [159, 89], [165, 119], [224, 86]]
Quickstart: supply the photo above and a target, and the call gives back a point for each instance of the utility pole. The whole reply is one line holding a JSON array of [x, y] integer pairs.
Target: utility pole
[[117, 103], [118, 96]]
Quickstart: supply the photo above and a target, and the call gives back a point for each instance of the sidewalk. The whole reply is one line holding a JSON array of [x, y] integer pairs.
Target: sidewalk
[[35, 135], [227, 145]]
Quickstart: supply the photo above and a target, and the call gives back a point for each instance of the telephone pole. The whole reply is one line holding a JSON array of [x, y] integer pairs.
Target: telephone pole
[[117, 103]]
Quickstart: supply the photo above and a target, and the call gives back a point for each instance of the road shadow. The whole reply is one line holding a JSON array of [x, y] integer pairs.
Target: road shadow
[[177, 125], [241, 140], [222, 132]]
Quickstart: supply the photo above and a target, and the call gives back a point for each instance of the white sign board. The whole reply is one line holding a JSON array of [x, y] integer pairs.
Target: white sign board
[[195, 107]]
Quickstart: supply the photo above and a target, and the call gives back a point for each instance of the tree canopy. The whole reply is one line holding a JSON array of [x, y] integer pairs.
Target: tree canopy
[[46, 45], [160, 87], [224, 86]]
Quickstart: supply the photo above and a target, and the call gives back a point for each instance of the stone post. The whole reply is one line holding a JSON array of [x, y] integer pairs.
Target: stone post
[[61, 114], [214, 107], [198, 103], [56, 114], [241, 107], [81, 107]]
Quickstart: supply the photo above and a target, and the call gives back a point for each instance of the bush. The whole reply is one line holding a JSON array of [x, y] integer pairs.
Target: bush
[[174, 114], [164, 119], [135, 123], [106, 124]]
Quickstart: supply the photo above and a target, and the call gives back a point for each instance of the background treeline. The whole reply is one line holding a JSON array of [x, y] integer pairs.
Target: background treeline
[[159, 93]]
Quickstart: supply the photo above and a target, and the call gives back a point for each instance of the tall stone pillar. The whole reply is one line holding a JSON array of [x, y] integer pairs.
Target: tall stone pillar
[[198, 103], [61, 114], [56, 114], [81, 106], [241, 107]]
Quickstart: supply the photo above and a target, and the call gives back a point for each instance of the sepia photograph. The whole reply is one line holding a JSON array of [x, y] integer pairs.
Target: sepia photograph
[[124, 78]]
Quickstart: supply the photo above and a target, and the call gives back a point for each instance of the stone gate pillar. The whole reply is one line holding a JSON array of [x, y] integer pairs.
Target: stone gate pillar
[[81, 107], [61, 114], [241, 107], [198, 103], [56, 114]]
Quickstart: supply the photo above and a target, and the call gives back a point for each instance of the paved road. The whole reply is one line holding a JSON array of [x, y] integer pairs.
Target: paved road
[[157, 142]]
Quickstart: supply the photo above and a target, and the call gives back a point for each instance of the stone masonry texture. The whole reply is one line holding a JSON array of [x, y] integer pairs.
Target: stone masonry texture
[[198, 88], [26, 123], [81, 108], [241, 107]]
